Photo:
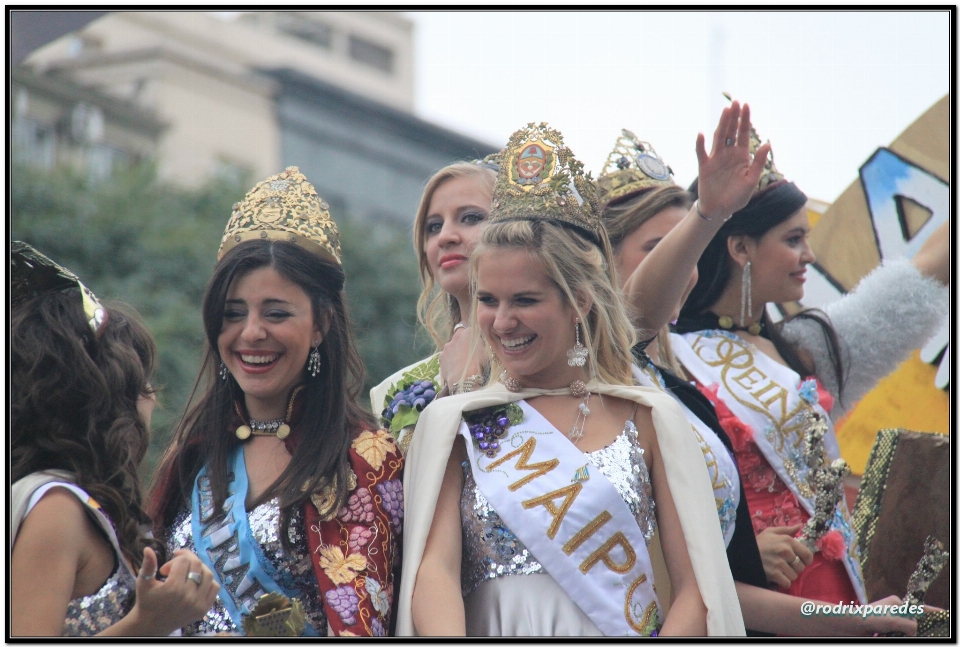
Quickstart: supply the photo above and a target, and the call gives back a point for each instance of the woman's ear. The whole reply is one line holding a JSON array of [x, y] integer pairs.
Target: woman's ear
[[322, 326], [584, 303], [740, 249]]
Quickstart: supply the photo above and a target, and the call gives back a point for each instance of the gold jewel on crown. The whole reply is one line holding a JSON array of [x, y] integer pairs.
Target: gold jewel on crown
[[33, 274], [770, 174], [631, 168], [284, 207], [540, 179]]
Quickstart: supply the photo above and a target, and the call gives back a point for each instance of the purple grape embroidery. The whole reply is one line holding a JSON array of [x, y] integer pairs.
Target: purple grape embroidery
[[345, 602], [392, 494]]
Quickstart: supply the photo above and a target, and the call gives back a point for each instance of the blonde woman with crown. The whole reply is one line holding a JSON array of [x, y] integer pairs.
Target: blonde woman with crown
[[276, 478], [453, 210], [560, 500]]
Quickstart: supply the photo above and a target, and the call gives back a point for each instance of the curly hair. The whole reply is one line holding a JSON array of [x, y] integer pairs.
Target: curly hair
[[436, 310], [320, 446], [74, 405]]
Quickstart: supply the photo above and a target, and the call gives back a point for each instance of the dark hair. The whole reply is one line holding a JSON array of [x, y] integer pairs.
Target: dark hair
[[767, 209], [320, 445], [74, 405]]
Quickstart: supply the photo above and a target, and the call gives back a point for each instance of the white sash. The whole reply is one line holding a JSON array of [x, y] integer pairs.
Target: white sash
[[771, 399], [720, 465], [580, 530]]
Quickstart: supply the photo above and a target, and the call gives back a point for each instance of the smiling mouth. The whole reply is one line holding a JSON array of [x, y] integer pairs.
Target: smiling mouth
[[258, 361], [513, 345]]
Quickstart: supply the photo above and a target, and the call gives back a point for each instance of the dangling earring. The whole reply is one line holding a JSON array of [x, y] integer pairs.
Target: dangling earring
[[746, 295], [223, 370], [313, 365], [577, 356]]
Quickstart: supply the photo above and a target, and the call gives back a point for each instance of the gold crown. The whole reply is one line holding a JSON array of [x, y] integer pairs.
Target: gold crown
[[769, 174], [540, 179], [632, 167], [33, 274], [284, 207]]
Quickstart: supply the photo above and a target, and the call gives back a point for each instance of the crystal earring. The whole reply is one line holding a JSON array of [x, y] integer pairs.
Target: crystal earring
[[512, 384], [223, 370], [577, 356], [313, 365], [746, 295]]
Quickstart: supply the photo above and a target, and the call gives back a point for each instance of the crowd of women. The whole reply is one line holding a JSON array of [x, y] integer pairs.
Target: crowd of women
[[607, 441]]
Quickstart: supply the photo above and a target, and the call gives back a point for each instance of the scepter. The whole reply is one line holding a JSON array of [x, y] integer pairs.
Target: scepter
[[826, 481]]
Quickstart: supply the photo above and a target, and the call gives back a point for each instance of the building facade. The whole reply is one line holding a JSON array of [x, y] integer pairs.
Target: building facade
[[244, 94]]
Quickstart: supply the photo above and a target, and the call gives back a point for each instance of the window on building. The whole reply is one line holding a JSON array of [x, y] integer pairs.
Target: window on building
[[102, 159], [369, 53], [33, 143], [312, 31]]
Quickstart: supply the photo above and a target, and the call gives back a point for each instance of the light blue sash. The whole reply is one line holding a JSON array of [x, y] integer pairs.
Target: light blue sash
[[229, 549]]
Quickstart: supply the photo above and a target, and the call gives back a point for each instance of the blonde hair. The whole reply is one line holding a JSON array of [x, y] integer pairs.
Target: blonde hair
[[437, 311], [581, 272], [626, 216]]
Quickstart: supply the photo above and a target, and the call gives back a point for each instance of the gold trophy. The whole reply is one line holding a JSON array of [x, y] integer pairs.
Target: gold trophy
[[275, 616]]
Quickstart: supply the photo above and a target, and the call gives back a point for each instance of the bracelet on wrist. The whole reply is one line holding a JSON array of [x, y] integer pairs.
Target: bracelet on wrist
[[696, 206]]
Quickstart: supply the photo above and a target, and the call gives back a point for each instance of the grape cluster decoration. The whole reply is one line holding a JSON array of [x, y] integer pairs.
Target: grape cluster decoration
[[392, 494], [360, 536], [359, 507], [488, 427], [345, 602], [415, 397]]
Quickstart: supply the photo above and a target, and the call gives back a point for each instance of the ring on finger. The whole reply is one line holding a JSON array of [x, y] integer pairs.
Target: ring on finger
[[729, 141], [194, 577], [459, 325], [796, 561]]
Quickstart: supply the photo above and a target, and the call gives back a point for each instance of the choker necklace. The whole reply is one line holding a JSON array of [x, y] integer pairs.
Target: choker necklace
[[708, 320], [727, 324], [279, 427]]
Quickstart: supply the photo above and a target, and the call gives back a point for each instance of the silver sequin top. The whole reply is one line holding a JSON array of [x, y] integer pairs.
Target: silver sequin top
[[294, 571], [92, 614], [491, 550]]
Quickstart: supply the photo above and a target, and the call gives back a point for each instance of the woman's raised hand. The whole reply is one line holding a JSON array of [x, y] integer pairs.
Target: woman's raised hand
[[183, 597], [727, 176]]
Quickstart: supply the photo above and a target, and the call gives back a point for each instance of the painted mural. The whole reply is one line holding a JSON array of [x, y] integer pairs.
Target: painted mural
[[901, 196]]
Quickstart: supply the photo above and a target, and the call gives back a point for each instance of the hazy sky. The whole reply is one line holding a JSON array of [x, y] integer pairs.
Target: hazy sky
[[826, 88]]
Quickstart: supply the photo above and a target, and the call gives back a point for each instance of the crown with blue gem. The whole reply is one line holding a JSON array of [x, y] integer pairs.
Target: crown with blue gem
[[632, 167]]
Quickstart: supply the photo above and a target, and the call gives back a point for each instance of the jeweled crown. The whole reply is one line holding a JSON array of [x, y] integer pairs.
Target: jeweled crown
[[631, 168], [769, 174], [33, 274], [284, 207], [540, 179]]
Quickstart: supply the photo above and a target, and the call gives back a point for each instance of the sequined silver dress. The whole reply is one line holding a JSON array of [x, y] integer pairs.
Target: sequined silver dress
[[497, 601], [295, 570], [91, 614]]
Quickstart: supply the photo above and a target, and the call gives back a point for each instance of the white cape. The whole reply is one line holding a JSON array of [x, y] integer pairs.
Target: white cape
[[686, 474]]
